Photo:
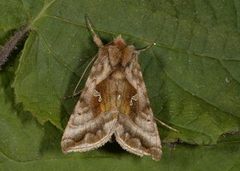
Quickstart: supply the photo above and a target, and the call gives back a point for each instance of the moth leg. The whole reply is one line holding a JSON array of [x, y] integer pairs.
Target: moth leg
[[97, 94], [96, 38], [133, 98], [166, 125], [73, 95]]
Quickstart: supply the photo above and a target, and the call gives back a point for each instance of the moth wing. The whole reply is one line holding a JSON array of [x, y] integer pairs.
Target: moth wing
[[88, 128], [137, 131]]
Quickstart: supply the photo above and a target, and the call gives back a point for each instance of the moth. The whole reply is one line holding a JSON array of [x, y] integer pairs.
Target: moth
[[113, 103]]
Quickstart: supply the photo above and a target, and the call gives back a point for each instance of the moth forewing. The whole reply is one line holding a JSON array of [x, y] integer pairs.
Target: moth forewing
[[137, 131], [114, 102]]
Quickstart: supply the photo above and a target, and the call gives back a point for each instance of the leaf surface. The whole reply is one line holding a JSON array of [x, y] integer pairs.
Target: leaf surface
[[192, 77]]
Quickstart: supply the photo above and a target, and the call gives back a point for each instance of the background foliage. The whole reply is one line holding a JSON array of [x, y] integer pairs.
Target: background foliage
[[192, 76]]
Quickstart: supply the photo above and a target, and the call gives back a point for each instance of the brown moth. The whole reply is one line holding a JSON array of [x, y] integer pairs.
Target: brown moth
[[114, 102]]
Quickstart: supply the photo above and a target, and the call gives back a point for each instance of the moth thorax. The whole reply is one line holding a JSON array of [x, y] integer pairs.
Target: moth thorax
[[118, 75]]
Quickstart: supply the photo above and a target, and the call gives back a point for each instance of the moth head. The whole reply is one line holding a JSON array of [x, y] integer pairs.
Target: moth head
[[121, 53]]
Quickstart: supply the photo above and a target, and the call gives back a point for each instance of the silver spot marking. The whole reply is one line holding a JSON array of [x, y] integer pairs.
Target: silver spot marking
[[97, 94], [133, 98], [119, 97]]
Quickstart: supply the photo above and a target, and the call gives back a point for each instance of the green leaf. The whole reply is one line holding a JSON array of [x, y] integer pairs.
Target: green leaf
[[21, 134], [192, 77], [194, 88], [224, 156]]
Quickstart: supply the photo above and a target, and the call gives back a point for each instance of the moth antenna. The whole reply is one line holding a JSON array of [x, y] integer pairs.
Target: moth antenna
[[73, 95], [84, 72], [96, 38], [146, 47], [164, 124]]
